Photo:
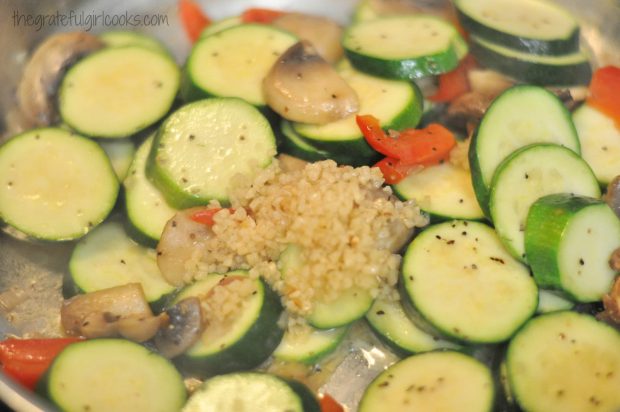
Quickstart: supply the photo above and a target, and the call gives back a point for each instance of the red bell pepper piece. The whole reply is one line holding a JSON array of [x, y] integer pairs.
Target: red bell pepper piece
[[394, 170], [605, 92], [454, 83], [329, 404], [261, 15], [430, 146], [26, 360], [205, 216], [193, 19]]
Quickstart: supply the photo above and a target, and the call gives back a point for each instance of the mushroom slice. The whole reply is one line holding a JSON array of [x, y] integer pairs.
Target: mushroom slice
[[183, 330], [37, 88], [612, 196], [97, 314], [611, 303], [324, 34], [303, 87]]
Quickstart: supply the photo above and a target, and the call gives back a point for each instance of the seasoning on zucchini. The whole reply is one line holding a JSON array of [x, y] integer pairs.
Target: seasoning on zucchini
[[460, 278], [527, 175], [569, 241], [565, 361], [434, 381], [202, 145], [520, 116], [118, 91], [404, 47], [55, 185]]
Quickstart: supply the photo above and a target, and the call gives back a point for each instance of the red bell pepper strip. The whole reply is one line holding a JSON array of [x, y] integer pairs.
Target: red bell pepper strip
[[205, 216], [193, 19], [605, 92], [329, 404], [394, 170], [26, 360], [454, 83], [261, 15]]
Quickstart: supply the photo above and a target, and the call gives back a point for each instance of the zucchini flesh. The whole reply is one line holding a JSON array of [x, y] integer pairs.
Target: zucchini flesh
[[202, 145], [120, 152], [309, 346], [434, 381], [249, 392], [295, 145], [102, 375], [457, 275], [600, 142], [531, 26], [120, 38], [118, 91], [565, 361], [220, 25], [147, 209], [404, 47], [107, 257], [233, 62], [549, 301], [391, 323], [444, 191], [520, 116], [55, 185], [568, 241], [527, 175]]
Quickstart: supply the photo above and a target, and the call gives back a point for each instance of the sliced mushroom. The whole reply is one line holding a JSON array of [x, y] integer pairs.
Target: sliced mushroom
[[39, 83], [468, 108], [303, 87], [184, 328], [324, 34], [612, 196], [611, 303], [109, 312], [290, 163], [180, 240]]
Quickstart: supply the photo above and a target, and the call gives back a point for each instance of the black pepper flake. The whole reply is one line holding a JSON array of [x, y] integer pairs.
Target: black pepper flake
[[90, 224], [37, 137], [559, 393], [241, 137], [498, 260], [421, 388], [450, 242], [474, 266], [123, 261], [411, 278], [383, 384], [334, 96], [215, 54], [380, 312], [174, 223], [191, 137], [438, 237], [10, 184], [255, 292], [464, 233], [184, 180], [159, 253], [527, 176], [581, 261], [460, 200], [410, 388], [562, 336], [158, 84]]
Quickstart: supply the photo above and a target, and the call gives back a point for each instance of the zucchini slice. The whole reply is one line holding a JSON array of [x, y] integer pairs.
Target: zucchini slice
[[118, 91], [444, 191], [102, 375], [600, 142], [530, 26], [54, 184], [202, 145], [250, 392], [107, 257], [295, 145], [390, 322], [309, 346], [527, 175], [120, 152], [565, 362], [568, 241], [146, 207], [396, 103], [233, 62], [220, 25], [121, 38], [563, 70], [550, 301], [520, 116], [462, 281], [243, 343], [404, 47], [434, 381]]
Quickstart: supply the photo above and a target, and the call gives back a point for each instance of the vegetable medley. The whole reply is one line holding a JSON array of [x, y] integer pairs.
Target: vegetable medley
[[441, 182]]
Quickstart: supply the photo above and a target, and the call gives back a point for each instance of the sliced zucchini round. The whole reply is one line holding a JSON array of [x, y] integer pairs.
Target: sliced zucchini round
[[390, 322], [233, 62], [55, 185], [527, 175], [101, 375], [444, 191], [551, 301], [147, 209], [246, 343], [118, 91], [309, 346], [295, 145], [220, 25], [396, 103], [563, 70], [107, 257], [520, 116], [600, 142], [202, 145], [250, 392], [568, 242], [457, 275], [434, 381], [404, 47], [120, 152], [565, 361], [120, 38], [531, 26]]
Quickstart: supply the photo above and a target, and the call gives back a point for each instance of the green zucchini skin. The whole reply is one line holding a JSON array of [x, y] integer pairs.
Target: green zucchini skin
[[322, 345], [252, 349], [520, 67], [547, 226]]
